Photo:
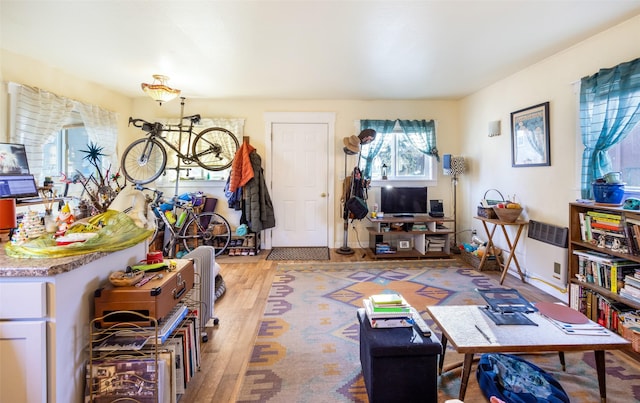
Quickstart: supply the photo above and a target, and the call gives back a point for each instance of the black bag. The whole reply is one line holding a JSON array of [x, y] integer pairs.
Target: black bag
[[357, 207]]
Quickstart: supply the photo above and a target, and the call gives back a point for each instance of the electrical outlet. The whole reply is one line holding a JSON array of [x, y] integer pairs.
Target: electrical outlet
[[474, 232]]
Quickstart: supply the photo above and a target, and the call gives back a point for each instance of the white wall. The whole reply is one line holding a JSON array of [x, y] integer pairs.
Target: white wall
[[544, 191]]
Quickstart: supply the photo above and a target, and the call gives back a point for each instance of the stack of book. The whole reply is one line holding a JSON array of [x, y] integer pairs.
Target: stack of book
[[388, 310], [435, 244], [631, 289]]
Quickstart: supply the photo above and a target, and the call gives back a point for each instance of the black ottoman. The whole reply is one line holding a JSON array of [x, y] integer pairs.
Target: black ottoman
[[398, 364]]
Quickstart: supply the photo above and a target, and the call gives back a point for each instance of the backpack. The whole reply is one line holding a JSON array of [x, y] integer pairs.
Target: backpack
[[515, 380], [356, 204]]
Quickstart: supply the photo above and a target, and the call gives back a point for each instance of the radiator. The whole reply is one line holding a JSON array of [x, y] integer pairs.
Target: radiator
[[546, 253], [202, 296]]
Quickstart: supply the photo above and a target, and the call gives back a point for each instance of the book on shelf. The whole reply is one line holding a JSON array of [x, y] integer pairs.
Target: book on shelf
[[121, 340]]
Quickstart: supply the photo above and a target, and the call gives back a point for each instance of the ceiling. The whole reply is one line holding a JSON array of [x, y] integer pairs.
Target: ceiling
[[301, 49]]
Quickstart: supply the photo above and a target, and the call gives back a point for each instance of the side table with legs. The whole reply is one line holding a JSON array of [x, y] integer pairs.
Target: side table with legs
[[519, 224]]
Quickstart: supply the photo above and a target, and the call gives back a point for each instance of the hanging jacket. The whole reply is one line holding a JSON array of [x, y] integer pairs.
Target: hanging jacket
[[233, 198], [241, 169], [258, 207]]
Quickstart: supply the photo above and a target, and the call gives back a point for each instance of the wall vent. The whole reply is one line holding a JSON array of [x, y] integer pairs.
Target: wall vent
[[547, 233]]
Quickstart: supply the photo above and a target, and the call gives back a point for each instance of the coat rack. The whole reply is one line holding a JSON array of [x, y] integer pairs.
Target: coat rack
[[352, 147]]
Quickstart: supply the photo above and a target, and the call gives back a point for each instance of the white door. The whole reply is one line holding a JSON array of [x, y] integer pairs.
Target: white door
[[301, 178]]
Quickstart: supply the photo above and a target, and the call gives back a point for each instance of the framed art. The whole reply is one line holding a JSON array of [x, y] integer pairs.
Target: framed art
[[530, 136]]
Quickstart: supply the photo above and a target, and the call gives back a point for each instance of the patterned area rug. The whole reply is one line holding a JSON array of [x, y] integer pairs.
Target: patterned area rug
[[307, 347], [299, 254]]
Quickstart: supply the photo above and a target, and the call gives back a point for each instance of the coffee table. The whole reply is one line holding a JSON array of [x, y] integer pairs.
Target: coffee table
[[471, 332]]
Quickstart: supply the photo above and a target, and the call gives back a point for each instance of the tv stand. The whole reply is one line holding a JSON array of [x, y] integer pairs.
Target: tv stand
[[422, 237]]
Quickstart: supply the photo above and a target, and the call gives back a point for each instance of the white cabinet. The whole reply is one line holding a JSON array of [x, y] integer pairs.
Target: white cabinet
[[43, 323]]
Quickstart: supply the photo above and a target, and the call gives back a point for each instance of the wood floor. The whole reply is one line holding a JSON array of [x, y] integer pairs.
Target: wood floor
[[247, 280]]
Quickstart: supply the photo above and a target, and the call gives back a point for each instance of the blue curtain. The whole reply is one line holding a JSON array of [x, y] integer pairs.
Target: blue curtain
[[420, 133], [609, 110], [368, 153]]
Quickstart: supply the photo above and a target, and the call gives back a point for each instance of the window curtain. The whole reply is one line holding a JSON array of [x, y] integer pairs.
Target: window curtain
[[420, 133], [102, 129], [382, 128], [609, 110], [39, 115]]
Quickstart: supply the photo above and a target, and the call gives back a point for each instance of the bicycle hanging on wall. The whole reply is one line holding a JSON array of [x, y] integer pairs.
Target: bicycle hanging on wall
[[145, 159]]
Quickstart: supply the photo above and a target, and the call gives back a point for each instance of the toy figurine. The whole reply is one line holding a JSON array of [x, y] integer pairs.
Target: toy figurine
[[64, 220]]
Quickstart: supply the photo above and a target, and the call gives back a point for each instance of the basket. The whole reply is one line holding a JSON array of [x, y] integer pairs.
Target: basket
[[632, 334], [489, 264], [507, 214], [487, 212]]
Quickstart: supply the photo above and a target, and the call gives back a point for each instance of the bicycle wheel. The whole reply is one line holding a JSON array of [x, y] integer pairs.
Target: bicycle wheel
[[206, 229], [214, 148], [144, 161]]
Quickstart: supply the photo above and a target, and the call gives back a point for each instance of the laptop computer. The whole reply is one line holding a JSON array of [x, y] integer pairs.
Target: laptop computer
[[19, 187]]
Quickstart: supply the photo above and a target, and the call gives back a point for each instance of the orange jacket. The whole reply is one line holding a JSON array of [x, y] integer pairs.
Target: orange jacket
[[241, 169]]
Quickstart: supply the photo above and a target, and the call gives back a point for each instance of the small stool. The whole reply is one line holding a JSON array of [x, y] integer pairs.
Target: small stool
[[398, 364]]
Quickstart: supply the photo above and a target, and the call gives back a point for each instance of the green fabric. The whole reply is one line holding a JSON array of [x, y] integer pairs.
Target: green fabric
[[118, 232], [609, 110]]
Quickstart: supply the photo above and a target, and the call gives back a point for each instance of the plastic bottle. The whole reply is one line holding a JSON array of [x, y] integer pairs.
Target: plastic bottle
[[181, 218]]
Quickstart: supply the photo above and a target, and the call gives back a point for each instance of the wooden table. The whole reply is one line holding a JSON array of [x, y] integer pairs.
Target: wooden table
[[520, 224], [470, 331]]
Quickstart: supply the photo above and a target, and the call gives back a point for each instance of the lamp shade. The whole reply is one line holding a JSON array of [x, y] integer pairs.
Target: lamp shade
[[8, 213], [159, 90], [454, 166]]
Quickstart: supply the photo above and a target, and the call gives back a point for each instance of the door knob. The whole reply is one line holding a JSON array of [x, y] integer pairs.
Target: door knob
[[323, 194]]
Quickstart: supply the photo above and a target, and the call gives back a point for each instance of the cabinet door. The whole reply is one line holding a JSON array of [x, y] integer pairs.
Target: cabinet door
[[24, 362]]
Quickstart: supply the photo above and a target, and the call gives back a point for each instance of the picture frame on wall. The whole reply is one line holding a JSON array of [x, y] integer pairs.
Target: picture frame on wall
[[530, 136]]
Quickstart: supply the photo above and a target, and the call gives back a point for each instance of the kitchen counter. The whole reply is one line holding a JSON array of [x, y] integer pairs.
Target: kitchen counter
[[37, 267]]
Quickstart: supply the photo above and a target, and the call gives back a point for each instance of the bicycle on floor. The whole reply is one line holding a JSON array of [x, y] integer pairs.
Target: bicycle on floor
[[183, 226], [145, 159]]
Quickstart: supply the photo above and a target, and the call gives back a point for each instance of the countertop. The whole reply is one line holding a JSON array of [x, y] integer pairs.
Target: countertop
[[37, 267]]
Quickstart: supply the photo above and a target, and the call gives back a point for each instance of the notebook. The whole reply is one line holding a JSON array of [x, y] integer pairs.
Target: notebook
[[18, 187]]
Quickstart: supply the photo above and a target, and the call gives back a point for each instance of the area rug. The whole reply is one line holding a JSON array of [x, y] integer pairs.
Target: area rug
[[307, 347], [311, 253]]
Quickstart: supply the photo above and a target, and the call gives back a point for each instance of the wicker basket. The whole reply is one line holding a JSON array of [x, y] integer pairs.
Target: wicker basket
[[474, 261], [507, 214], [487, 212]]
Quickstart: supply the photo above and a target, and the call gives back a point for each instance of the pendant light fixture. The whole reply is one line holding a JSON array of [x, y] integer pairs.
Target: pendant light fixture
[[159, 90]]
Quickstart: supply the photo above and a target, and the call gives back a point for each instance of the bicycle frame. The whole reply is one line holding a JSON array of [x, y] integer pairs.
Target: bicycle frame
[[155, 130], [195, 229]]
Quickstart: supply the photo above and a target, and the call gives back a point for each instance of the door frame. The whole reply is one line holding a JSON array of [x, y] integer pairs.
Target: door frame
[[328, 118]]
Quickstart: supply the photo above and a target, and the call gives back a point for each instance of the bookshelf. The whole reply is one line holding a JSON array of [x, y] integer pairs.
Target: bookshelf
[[603, 251], [410, 237]]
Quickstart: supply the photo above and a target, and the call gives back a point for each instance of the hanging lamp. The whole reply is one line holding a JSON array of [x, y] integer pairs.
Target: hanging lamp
[[159, 90]]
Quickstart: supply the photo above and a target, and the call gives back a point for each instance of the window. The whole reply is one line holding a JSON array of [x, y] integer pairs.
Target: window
[[63, 154], [400, 157], [624, 159], [403, 161], [194, 171]]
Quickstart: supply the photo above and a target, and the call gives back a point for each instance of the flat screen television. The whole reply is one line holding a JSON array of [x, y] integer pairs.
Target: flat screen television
[[13, 159], [403, 200]]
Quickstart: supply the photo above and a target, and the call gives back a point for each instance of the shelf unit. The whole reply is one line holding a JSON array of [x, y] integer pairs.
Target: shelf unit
[[392, 231], [586, 291], [246, 245]]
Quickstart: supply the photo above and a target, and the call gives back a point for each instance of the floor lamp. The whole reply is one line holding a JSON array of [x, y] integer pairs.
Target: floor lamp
[[454, 167]]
